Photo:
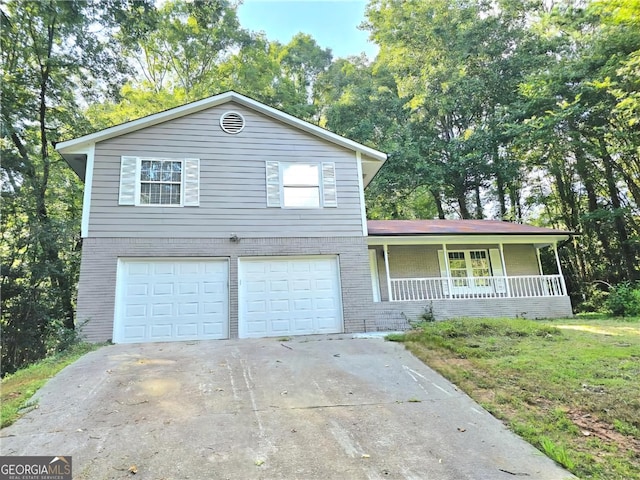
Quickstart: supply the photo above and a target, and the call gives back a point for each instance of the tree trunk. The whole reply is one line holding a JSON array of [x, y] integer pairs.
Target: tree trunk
[[479, 212], [618, 218], [438, 199]]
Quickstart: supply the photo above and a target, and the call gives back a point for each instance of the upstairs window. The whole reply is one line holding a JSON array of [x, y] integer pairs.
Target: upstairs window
[[159, 181], [301, 185]]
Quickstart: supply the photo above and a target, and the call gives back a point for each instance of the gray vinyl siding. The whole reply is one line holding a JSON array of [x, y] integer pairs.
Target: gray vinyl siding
[[232, 181], [97, 285]]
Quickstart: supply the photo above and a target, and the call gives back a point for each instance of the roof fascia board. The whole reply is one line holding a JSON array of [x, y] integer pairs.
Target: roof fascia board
[[73, 146], [426, 239]]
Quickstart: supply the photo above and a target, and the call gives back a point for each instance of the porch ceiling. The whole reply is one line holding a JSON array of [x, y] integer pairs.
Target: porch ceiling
[[406, 232]]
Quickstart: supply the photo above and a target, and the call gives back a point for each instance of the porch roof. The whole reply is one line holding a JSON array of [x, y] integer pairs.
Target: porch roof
[[455, 231], [456, 227]]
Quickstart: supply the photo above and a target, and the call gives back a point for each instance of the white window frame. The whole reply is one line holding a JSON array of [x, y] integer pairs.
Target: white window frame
[[285, 186], [139, 182], [326, 185], [130, 190], [471, 286]]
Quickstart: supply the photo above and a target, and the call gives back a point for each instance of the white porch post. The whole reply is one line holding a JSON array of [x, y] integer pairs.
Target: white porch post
[[504, 270], [539, 261], [445, 254], [555, 251], [385, 248]]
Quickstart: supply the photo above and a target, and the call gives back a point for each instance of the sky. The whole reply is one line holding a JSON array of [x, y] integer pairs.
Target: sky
[[333, 24]]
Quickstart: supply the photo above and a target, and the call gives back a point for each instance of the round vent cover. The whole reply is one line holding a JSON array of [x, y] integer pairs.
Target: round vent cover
[[232, 122]]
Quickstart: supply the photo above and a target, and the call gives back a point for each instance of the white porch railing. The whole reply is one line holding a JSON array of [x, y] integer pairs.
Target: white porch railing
[[436, 288]]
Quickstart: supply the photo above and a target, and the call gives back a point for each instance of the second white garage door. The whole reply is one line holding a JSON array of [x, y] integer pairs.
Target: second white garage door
[[289, 296]]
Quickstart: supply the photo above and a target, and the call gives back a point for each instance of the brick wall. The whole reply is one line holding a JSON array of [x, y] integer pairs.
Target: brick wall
[[96, 289]]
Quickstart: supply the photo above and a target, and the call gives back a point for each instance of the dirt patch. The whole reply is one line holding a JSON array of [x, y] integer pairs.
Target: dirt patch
[[591, 426]]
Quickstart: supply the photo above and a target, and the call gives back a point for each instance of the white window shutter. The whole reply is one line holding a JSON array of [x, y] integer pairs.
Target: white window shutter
[[128, 180], [443, 273], [191, 182], [498, 271], [273, 184], [329, 191]]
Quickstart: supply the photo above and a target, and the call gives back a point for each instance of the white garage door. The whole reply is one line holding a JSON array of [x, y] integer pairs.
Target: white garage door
[[289, 296], [171, 299]]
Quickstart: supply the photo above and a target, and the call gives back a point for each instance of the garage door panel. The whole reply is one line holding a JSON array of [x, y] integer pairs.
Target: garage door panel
[[185, 309], [161, 309], [161, 289], [326, 323], [302, 304], [160, 331], [279, 305], [165, 299], [289, 295], [188, 330], [214, 308], [301, 285], [214, 287], [279, 286], [133, 311], [137, 289], [302, 324], [164, 268]]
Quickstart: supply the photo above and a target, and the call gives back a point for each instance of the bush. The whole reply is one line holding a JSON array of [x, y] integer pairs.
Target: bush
[[624, 300]]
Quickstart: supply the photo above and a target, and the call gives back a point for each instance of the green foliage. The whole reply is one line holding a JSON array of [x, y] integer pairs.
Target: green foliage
[[53, 60], [567, 386], [624, 300], [19, 387], [557, 452]]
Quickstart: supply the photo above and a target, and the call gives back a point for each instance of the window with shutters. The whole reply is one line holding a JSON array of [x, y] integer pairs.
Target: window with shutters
[[159, 181], [301, 185]]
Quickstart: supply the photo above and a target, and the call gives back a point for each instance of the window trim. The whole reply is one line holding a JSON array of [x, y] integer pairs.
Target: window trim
[[130, 188], [318, 185], [456, 289], [326, 180], [139, 182]]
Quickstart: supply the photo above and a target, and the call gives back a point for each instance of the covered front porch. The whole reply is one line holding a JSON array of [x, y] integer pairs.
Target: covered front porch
[[470, 268]]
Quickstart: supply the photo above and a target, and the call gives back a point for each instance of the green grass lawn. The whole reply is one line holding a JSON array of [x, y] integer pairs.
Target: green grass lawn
[[18, 388], [570, 387]]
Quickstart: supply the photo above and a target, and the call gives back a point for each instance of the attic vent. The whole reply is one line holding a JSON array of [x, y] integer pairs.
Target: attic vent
[[232, 122]]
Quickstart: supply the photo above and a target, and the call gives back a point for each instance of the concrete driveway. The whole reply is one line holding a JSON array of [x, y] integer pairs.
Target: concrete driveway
[[313, 407]]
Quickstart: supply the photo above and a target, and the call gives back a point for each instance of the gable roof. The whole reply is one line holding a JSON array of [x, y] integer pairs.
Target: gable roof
[[74, 151], [456, 227]]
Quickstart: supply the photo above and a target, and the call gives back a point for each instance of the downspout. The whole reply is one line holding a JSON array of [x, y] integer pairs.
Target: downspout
[[555, 251], [386, 268]]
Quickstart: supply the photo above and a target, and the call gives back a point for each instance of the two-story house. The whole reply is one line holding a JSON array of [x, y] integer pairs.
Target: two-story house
[[228, 218]]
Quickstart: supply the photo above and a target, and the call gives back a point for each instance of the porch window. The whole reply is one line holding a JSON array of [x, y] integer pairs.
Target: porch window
[[470, 271]]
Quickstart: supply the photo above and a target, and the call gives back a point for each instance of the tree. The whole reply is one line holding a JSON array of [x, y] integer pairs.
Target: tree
[[51, 55], [574, 98], [457, 63]]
